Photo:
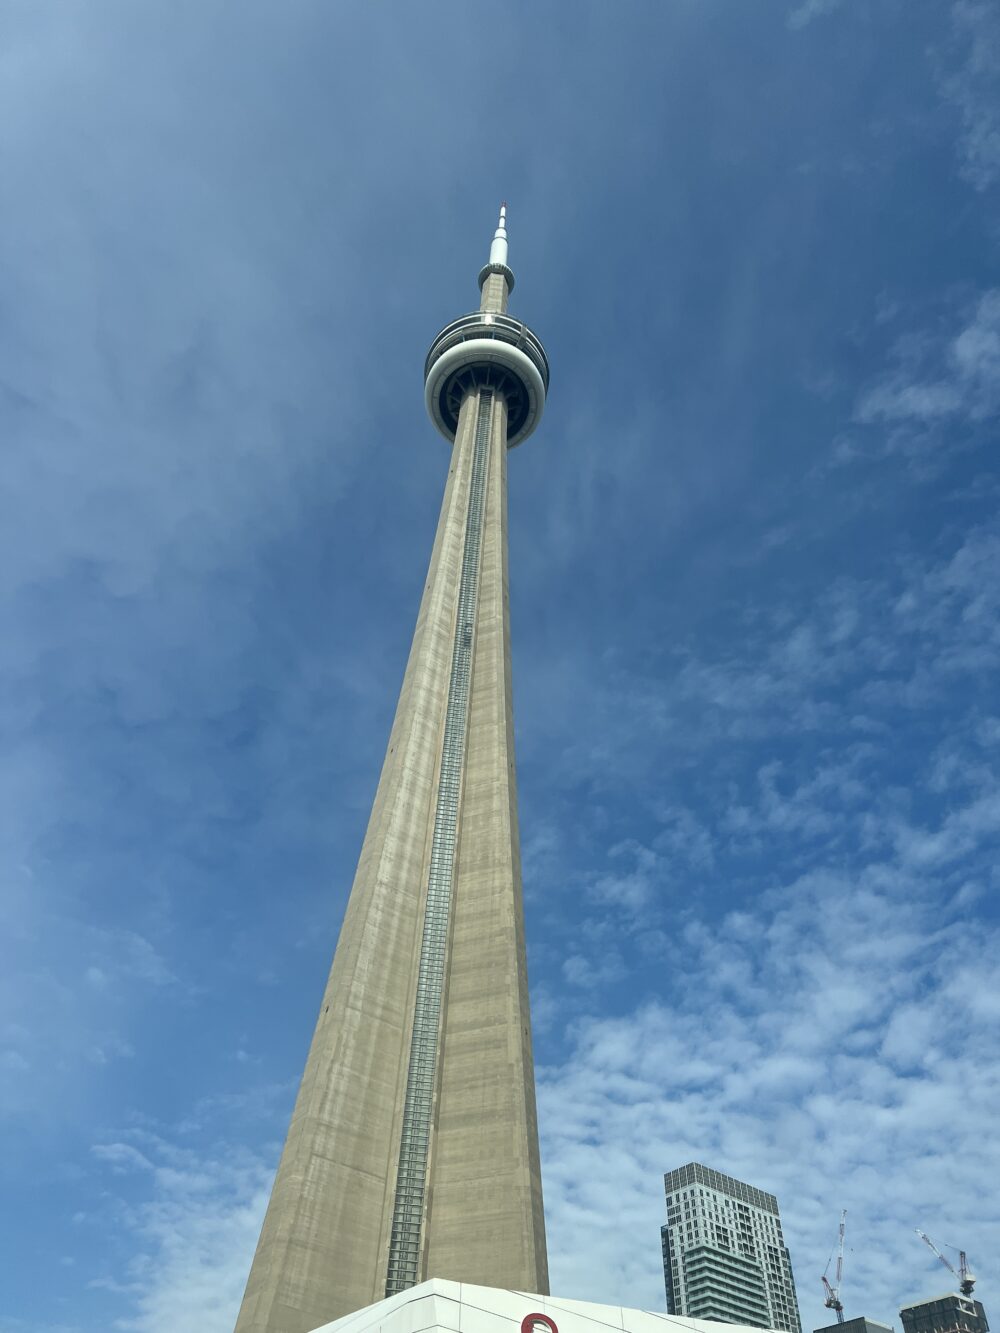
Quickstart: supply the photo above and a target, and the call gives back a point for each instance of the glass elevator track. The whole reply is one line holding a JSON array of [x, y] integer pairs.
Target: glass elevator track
[[411, 1178]]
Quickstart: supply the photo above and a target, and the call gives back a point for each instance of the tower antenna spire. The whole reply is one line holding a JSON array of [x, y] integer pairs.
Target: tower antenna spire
[[498, 250], [496, 299]]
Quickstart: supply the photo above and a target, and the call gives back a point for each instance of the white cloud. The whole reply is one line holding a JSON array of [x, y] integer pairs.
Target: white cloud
[[122, 1157], [639, 874], [971, 86], [857, 1054], [804, 13], [591, 974], [75, 990], [935, 379], [836, 1041], [193, 1233], [684, 837]]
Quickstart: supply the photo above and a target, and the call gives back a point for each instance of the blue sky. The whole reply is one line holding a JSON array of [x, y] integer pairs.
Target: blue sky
[[754, 562]]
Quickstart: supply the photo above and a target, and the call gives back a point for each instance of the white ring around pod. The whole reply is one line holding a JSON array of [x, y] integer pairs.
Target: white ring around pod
[[474, 352]]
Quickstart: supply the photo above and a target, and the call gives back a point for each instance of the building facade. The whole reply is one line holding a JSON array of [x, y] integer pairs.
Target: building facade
[[413, 1148], [950, 1313], [451, 1307], [724, 1257]]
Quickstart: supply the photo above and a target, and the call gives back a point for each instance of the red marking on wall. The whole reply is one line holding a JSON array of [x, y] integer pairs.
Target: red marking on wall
[[530, 1320]]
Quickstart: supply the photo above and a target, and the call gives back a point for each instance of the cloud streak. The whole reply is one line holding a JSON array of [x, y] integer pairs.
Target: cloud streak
[[970, 85]]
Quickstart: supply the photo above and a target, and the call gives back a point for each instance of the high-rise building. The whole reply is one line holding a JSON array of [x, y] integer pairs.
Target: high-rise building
[[413, 1148], [724, 1256], [950, 1313]]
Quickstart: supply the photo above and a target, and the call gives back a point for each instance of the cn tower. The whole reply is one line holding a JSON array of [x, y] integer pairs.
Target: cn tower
[[413, 1146]]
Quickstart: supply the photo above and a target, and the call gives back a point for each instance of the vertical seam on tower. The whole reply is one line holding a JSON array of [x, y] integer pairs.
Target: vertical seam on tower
[[411, 1176]]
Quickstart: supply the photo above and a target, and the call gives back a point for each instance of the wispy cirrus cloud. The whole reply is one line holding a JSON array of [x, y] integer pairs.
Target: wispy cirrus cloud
[[804, 13], [941, 377], [193, 1220], [969, 82]]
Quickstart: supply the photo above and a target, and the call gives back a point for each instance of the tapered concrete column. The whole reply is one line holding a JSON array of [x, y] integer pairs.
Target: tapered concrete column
[[413, 1147], [485, 1217]]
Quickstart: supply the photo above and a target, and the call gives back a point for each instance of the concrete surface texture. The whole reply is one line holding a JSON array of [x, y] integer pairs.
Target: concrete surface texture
[[337, 1211]]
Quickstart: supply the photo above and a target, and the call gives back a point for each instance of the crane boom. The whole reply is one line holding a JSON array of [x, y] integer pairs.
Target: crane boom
[[927, 1241], [840, 1248], [833, 1301], [966, 1280]]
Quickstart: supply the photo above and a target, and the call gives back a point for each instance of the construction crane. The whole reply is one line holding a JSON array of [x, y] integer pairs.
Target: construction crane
[[832, 1301], [966, 1279]]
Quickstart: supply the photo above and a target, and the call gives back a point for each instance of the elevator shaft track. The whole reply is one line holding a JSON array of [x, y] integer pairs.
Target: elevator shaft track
[[421, 1077]]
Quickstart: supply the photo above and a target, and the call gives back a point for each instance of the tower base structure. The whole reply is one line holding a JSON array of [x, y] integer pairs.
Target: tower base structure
[[439, 1306]]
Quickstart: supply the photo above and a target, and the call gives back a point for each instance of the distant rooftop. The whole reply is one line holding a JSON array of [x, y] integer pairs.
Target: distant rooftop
[[697, 1174], [859, 1324], [944, 1296]]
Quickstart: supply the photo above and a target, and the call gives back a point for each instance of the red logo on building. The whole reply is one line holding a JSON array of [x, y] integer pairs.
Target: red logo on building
[[530, 1320]]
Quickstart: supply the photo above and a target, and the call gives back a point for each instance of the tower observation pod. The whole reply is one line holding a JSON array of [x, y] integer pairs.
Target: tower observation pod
[[488, 350], [413, 1146]]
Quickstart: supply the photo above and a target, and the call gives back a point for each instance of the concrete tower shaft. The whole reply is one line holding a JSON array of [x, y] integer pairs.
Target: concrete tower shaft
[[413, 1147]]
